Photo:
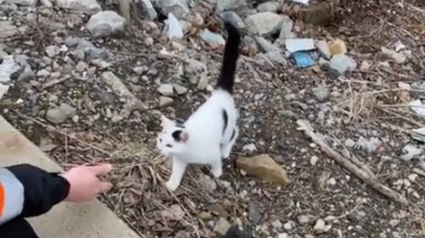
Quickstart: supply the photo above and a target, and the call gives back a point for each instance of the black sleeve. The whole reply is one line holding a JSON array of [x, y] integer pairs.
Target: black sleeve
[[42, 190]]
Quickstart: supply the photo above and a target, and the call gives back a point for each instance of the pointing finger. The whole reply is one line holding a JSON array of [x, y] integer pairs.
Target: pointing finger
[[102, 169]]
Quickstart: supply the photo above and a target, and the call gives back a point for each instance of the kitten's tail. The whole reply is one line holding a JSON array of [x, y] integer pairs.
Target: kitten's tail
[[231, 54]]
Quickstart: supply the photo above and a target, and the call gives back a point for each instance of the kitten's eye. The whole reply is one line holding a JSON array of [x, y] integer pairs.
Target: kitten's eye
[[169, 146]]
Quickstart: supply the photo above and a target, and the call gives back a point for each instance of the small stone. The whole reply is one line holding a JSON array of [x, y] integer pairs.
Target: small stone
[[394, 222], [349, 143], [263, 167], [320, 226], [283, 235], [203, 82], [412, 177], [79, 54], [304, 219], [52, 51], [233, 19], [81, 66], [106, 23], [286, 28], [222, 226], [298, 44], [69, 110], [265, 45], [180, 90], [27, 74], [323, 48], [175, 212], [178, 8], [43, 73], [264, 23], [205, 215], [250, 148], [174, 29], [166, 89], [56, 116], [87, 6], [270, 6], [332, 181], [342, 63], [364, 66], [254, 212], [288, 226], [194, 67], [277, 224], [55, 75], [212, 38], [149, 41], [313, 160], [337, 47], [92, 51], [148, 9], [71, 41], [276, 57], [240, 7], [101, 63], [321, 93], [139, 70]]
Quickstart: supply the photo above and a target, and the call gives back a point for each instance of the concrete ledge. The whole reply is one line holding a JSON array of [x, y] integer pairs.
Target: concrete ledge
[[90, 220]]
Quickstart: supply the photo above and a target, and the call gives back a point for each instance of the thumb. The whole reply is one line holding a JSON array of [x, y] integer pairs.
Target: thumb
[[105, 187], [102, 169]]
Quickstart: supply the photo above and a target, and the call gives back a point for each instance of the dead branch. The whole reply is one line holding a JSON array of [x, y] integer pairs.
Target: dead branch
[[364, 176]]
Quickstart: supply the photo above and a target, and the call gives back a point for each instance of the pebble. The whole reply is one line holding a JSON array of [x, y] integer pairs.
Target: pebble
[[71, 41], [286, 28], [320, 226], [212, 38], [342, 63], [205, 215], [139, 70], [337, 47], [89, 7], [277, 224], [101, 63], [264, 23], [180, 90], [321, 93], [174, 28], [79, 54], [270, 6], [178, 8], [233, 19], [106, 23], [283, 235], [254, 212], [194, 67], [323, 49], [222, 226], [265, 45], [276, 57], [412, 177], [365, 66], [92, 51], [52, 51], [166, 89], [81, 66], [304, 219], [314, 160], [250, 148], [240, 7], [349, 143], [27, 74], [43, 73], [288, 226], [399, 58]]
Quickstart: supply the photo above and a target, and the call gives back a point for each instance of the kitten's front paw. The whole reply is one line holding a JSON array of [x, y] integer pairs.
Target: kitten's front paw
[[217, 172], [171, 186]]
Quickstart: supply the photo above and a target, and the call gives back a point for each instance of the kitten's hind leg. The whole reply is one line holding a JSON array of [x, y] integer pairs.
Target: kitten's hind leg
[[177, 172], [227, 148]]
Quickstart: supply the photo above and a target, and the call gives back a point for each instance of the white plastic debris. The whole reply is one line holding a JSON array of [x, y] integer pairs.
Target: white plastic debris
[[8, 67], [411, 151], [297, 44], [174, 29], [417, 107], [418, 134]]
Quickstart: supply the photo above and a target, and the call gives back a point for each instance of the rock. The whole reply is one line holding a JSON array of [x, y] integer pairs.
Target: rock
[[165, 101], [194, 67], [365, 66], [349, 143], [276, 57], [174, 29], [180, 90], [8, 67], [271, 6], [342, 63], [264, 23], [313, 160], [321, 93], [71, 41], [240, 7], [178, 8], [203, 82], [218, 210], [205, 215], [60, 114], [27, 74], [288, 226], [254, 212], [101, 63], [323, 49], [283, 235], [321, 14], [207, 183], [286, 28], [265, 45], [399, 58], [81, 66], [250, 148], [337, 47], [89, 7], [148, 10], [175, 212], [166, 89], [7, 29], [31, 3], [233, 19], [43, 73], [92, 51], [212, 38], [263, 167], [106, 23], [304, 219], [46, 3], [222, 226], [52, 51], [140, 69], [410, 152], [295, 45], [320, 226], [277, 224], [79, 54]]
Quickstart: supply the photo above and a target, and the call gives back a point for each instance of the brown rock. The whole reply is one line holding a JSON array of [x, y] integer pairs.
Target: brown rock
[[263, 167]]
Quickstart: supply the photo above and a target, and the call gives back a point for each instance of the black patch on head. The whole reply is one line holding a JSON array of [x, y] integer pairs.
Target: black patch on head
[[176, 135], [233, 135], [225, 119]]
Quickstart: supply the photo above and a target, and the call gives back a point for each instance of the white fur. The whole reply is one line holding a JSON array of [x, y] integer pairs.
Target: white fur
[[206, 143]]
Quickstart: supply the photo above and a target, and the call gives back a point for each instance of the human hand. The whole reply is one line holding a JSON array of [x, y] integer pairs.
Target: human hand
[[84, 183]]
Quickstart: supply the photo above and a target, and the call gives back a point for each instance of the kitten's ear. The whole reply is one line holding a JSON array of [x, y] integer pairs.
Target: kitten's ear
[[180, 136]]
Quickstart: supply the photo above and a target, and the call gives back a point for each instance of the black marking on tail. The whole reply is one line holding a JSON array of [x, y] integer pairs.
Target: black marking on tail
[[231, 54], [225, 119], [233, 135]]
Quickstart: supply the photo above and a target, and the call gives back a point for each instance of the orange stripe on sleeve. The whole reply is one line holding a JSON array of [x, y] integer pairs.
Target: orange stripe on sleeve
[[2, 199]]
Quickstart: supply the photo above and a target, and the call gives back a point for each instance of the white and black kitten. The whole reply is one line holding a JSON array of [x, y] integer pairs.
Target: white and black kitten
[[209, 134]]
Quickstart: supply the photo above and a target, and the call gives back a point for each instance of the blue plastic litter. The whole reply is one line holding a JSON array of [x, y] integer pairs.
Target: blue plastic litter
[[303, 59]]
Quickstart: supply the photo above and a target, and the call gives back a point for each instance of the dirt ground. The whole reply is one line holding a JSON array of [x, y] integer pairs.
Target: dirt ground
[[365, 103]]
